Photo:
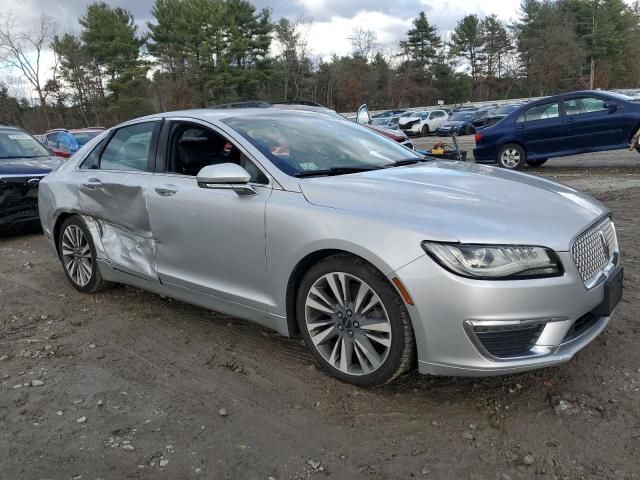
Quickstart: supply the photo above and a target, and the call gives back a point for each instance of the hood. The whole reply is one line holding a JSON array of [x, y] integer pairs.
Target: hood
[[454, 201], [392, 134], [454, 123], [28, 166]]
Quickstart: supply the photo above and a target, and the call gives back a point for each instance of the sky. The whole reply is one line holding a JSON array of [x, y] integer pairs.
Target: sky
[[333, 20]]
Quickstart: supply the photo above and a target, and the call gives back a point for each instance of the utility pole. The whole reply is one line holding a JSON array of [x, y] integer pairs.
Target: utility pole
[[593, 46]]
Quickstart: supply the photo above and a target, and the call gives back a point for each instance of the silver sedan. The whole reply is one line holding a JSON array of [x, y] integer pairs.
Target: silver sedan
[[381, 259]]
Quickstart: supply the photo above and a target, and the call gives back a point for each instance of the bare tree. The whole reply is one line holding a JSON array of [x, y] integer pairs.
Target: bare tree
[[364, 42], [22, 51]]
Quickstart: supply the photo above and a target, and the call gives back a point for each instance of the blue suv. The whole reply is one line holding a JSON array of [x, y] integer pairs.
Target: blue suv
[[567, 124]]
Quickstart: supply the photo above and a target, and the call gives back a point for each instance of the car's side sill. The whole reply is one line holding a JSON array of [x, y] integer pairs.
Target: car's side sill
[[266, 319]]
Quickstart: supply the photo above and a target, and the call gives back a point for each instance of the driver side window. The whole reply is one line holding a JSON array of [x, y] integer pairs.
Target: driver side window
[[192, 147]]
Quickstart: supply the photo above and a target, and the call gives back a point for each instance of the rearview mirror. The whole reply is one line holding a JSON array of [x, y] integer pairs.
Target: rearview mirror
[[225, 176], [363, 116], [611, 106]]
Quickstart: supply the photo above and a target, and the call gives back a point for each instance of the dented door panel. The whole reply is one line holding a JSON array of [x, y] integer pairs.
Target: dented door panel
[[115, 208]]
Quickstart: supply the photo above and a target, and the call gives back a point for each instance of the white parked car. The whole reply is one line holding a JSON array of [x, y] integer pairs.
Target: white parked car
[[423, 123]]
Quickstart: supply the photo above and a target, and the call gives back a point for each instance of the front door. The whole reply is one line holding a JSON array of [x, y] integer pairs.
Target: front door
[[210, 241], [591, 125]]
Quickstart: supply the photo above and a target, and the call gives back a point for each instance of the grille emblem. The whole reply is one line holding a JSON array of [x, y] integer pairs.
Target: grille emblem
[[33, 182], [605, 244]]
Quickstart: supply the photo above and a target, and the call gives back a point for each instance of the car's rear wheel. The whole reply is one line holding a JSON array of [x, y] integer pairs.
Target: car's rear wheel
[[537, 163], [512, 156], [425, 130], [78, 256], [354, 322]]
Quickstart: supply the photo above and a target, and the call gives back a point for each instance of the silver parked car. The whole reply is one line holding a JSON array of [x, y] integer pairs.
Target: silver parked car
[[312, 225]]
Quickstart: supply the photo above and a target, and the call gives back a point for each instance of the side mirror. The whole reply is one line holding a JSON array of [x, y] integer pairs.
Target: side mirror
[[226, 176], [363, 116], [611, 106]]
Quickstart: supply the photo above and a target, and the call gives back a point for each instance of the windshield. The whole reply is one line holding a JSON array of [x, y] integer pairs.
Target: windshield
[[17, 144], [380, 121], [461, 116], [84, 137], [504, 109], [299, 143]]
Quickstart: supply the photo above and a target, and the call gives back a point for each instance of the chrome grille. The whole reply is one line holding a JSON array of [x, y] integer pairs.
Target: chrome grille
[[594, 249]]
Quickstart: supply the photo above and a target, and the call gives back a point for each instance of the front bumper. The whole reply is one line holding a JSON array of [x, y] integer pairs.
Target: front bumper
[[446, 305], [19, 204]]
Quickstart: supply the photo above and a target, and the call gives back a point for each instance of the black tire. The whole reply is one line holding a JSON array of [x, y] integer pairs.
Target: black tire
[[402, 350], [95, 282], [537, 163], [512, 156], [425, 130]]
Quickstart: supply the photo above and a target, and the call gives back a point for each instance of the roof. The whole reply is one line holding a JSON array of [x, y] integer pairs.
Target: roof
[[75, 130]]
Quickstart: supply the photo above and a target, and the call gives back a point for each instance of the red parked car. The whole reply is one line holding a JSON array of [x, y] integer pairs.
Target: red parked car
[[64, 143]]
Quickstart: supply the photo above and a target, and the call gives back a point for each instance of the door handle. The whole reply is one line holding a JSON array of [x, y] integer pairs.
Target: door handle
[[166, 190], [93, 183]]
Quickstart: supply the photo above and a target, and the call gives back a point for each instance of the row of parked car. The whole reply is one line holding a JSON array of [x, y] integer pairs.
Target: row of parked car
[[443, 121]]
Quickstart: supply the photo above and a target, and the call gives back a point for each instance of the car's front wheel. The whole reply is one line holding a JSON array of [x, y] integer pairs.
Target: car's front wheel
[[512, 156], [425, 130], [354, 321], [537, 163], [78, 256]]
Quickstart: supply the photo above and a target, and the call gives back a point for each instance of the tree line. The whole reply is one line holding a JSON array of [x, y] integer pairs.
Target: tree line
[[196, 53]]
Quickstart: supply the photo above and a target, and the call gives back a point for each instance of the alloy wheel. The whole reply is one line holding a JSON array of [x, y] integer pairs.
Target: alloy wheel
[[511, 157], [348, 323], [76, 255]]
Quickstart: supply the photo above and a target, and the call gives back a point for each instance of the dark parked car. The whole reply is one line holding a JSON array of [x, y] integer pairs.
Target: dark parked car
[[501, 112], [481, 115], [460, 123], [23, 162], [558, 126], [64, 143]]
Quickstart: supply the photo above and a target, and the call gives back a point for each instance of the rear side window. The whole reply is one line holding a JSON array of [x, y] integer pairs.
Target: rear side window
[[52, 140], [65, 142], [540, 112], [581, 106], [129, 148]]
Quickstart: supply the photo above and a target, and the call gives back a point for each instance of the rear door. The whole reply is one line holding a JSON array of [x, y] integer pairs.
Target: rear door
[[542, 129], [113, 183], [436, 118], [591, 125]]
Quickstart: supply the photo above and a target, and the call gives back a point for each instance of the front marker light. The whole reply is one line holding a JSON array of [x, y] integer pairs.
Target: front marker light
[[499, 262]]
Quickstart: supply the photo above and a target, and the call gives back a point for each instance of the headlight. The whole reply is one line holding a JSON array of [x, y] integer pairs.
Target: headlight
[[500, 262]]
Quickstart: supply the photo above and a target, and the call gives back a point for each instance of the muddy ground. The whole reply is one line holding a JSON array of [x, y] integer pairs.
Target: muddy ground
[[126, 384]]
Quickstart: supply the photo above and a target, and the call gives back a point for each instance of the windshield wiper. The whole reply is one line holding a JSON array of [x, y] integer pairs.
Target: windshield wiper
[[334, 171], [408, 161]]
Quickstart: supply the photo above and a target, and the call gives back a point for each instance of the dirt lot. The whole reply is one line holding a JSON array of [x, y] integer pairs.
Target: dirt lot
[[126, 384]]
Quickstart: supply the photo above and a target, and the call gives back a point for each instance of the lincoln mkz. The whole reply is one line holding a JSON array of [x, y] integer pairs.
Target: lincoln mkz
[[380, 258]]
